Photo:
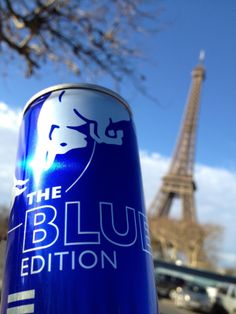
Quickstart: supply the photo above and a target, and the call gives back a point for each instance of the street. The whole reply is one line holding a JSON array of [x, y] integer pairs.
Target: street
[[167, 307]]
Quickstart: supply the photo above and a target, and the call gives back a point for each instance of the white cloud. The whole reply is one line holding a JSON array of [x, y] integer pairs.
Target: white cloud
[[153, 166], [9, 119], [216, 194], [9, 126]]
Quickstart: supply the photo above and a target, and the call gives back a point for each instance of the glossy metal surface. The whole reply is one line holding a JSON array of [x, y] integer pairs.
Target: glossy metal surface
[[78, 237]]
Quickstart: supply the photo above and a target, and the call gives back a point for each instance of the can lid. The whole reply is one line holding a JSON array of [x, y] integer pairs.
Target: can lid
[[77, 86]]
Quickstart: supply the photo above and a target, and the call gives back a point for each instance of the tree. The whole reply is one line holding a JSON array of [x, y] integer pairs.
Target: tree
[[94, 35], [199, 243], [3, 223]]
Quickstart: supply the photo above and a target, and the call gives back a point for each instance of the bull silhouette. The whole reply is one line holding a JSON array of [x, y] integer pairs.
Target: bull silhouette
[[61, 116]]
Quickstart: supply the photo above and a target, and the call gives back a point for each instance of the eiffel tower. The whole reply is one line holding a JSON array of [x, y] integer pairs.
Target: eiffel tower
[[179, 180]]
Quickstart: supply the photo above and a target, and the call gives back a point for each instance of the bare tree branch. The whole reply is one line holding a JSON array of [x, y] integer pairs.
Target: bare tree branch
[[75, 33], [198, 243]]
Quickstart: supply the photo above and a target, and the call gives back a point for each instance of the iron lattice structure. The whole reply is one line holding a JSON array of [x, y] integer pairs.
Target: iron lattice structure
[[179, 181]]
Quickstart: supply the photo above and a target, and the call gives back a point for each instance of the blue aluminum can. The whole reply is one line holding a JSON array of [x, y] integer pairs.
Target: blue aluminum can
[[78, 239]]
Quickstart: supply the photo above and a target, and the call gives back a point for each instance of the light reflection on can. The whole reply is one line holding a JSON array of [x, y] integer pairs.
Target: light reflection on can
[[78, 239]]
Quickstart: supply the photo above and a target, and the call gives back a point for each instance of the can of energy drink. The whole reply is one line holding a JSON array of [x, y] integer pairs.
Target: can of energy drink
[[78, 239]]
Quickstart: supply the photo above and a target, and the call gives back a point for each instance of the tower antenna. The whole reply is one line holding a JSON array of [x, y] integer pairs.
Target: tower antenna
[[202, 56]]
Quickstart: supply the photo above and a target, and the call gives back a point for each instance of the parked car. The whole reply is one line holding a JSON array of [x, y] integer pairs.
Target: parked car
[[226, 298], [166, 284], [194, 297]]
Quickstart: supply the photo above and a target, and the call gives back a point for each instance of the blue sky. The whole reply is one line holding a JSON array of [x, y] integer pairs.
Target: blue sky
[[186, 27]]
